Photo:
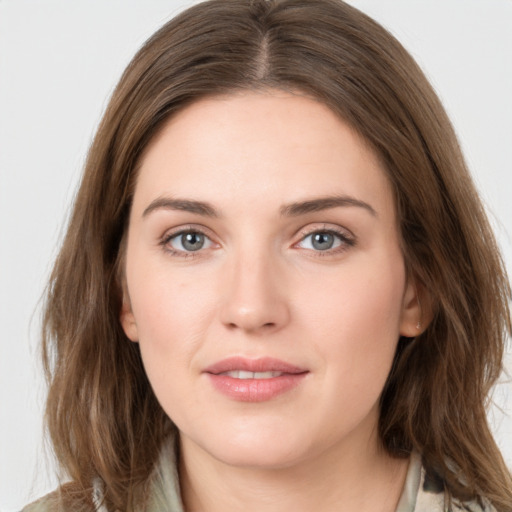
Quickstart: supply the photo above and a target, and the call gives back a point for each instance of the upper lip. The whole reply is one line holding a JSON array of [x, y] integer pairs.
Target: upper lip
[[264, 364]]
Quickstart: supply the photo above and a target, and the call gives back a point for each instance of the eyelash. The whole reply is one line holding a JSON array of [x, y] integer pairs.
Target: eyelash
[[346, 241], [180, 232]]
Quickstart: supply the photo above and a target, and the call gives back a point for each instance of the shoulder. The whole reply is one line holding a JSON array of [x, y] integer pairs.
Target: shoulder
[[455, 505], [65, 499], [472, 506], [433, 497], [47, 503]]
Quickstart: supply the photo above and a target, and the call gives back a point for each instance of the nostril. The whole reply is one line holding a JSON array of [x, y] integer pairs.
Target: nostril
[[265, 326]]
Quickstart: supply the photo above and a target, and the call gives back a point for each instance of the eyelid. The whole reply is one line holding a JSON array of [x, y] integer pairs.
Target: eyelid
[[325, 227], [186, 228]]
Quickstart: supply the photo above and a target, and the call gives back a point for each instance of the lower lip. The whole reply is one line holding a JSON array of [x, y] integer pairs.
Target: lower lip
[[256, 390]]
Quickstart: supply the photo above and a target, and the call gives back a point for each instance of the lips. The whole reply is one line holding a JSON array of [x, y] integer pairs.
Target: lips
[[254, 380], [264, 364]]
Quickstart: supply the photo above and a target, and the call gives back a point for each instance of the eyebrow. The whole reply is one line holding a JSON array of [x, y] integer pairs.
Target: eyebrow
[[324, 203], [294, 209], [186, 205]]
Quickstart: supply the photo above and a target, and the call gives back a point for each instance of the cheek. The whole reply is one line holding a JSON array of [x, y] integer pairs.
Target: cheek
[[172, 317], [172, 312], [354, 320], [356, 298]]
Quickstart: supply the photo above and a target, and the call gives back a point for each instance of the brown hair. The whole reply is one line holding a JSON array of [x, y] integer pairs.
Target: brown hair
[[102, 415]]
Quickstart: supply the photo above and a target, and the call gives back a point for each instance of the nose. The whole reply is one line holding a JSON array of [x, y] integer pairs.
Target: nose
[[254, 295]]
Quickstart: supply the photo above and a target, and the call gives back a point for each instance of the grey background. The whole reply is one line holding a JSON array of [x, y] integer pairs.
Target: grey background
[[59, 61]]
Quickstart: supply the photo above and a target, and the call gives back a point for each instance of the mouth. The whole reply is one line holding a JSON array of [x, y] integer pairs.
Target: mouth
[[243, 374], [254, 380], [264, 367]]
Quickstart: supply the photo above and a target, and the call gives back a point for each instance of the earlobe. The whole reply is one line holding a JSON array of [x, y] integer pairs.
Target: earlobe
[[415, 310], [127, 320]]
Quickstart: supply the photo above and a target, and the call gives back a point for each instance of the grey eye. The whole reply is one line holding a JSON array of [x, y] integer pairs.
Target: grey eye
[[322, 241], [192, 241], [189, 241]]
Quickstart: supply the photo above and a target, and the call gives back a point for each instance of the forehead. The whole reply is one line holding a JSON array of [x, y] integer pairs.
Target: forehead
[[255, 149]]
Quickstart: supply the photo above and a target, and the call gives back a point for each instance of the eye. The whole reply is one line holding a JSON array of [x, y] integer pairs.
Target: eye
[[188, 241], [325, 240]]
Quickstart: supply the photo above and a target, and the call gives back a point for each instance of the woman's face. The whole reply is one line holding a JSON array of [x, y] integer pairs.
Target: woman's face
[[264, 279]]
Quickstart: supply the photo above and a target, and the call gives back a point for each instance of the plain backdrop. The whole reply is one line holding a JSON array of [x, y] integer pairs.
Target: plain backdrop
[[59, 61]]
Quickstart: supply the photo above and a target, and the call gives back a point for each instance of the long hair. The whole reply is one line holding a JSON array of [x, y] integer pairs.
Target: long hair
[[103, 418]]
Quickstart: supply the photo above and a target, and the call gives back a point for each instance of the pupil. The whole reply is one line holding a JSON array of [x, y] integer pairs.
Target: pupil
[[323, 241], [193, 241]]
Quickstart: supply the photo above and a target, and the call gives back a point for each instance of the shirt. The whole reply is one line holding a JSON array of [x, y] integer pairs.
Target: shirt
[[422, 492]]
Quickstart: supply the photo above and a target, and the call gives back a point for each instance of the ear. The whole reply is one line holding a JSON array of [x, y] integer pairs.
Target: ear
[[416, 309], [128, 320]]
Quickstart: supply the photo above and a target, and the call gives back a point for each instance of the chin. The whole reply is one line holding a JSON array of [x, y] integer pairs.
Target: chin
[[271, 456], [255, 446]]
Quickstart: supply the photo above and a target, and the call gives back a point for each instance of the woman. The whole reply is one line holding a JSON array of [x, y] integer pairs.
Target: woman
[[278, 288]]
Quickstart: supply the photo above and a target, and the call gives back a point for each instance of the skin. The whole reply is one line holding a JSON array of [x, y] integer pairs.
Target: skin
[[259, 287]]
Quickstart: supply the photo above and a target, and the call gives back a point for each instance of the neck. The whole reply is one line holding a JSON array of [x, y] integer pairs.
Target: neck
[[347, 477]]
